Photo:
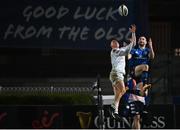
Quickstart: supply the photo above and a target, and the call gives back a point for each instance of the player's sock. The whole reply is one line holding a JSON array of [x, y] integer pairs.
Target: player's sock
[[144, 77]]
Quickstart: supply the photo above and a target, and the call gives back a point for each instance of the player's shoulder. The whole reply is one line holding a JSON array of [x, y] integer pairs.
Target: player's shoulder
[[134, 49], [147, 49]]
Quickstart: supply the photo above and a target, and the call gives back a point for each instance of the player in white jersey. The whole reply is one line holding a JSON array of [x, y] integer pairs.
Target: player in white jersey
[[118, 71]]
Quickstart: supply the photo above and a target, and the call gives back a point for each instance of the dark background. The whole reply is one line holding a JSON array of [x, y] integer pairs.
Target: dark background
[[28, 117], [52, 57], [72, 63], [19, 64]]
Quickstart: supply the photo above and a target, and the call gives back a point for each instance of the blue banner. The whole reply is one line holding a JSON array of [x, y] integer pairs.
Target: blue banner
[[66, 24]]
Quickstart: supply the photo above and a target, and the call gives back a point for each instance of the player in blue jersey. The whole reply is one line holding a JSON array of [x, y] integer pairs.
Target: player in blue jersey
[[139, 62], [133, 101], [139, 59]]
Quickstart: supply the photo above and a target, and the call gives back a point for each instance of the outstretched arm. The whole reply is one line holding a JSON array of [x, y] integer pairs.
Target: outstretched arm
[[133, 38], [126, 50], [151, 53], [133, 31]]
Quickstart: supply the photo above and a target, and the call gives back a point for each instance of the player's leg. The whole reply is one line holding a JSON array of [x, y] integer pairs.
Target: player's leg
[[143, 89], [136, 122], [147, 116], [119, 90], [136, 110], [142, 72]]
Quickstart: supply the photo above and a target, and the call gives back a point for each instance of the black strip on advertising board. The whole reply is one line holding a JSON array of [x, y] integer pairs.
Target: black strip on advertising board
[[177, 117], [70, 117]]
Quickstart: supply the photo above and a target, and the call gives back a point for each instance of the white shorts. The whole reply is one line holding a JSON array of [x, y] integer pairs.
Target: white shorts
[[114, 77]]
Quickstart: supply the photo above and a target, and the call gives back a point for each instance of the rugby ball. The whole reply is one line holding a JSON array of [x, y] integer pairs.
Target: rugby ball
[[123, 10]]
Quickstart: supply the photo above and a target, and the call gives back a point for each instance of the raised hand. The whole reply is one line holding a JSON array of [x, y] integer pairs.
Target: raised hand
[[151, 54], [133, 28], [150, 42], [133, 37]]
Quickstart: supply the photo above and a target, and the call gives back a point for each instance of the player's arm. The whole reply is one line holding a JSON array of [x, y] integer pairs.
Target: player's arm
[[133, 31], [127, 49], [129, 56], [151, 52], [124, 51], [133, 39]]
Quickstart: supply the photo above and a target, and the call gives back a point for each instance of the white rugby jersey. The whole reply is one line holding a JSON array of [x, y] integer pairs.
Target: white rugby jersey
[[118, 58]]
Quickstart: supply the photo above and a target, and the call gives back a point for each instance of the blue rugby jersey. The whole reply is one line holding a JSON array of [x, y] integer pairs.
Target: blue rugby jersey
[[139, 56]]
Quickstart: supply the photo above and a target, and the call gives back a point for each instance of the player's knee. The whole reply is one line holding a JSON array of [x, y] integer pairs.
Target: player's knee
[[121, 88], [145, 68], [123, 91]]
